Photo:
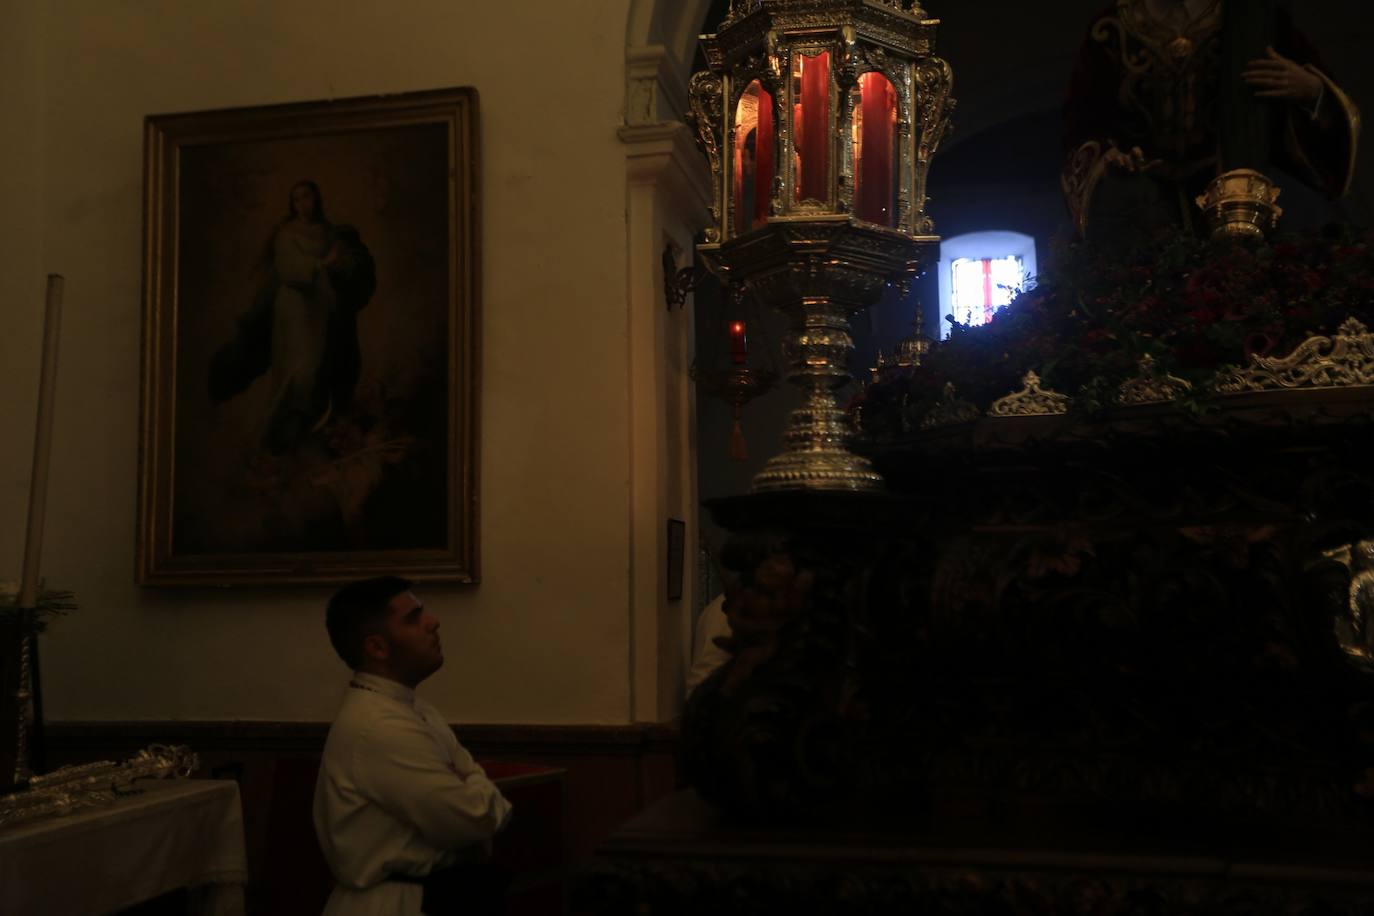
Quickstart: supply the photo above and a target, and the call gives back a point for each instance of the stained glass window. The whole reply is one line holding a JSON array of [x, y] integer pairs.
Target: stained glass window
[[983, 285], [980, 272]]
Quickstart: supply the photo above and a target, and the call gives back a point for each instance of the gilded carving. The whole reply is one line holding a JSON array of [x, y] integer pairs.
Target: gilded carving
[[1345, 360], [903, 31], [1149, 387], [950, 410], [774, 60], [89, 785], [738, 10], [935, 108], [847, 68], [1030, 401], [1354, 624], [704, 94], [1086, 168]]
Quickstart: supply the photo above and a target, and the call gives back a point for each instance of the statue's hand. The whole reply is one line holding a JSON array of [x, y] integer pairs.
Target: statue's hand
[[1276, 77], [1132, 161]]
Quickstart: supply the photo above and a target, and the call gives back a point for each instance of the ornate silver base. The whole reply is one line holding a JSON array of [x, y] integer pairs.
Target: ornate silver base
[[818, 270], [815, 455], [831, 469], [23, 705]]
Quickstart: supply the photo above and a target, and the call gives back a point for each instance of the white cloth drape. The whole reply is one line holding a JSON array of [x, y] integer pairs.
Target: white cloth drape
[[170, 835]]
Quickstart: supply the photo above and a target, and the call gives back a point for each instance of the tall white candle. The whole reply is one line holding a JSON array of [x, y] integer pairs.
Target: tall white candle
[[42, 444]]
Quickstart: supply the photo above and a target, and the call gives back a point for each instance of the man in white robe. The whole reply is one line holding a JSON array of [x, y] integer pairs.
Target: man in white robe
[[397, 796], [707, 653]]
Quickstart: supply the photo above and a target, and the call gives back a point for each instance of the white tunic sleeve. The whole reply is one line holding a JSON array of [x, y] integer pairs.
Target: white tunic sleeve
[[706, 655], [405, 776]]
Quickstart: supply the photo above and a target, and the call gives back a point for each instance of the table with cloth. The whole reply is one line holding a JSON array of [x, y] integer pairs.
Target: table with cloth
[[169, 835]]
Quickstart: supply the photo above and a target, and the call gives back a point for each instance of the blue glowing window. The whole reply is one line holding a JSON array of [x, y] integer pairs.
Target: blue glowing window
[[980, 272], [983, 285]]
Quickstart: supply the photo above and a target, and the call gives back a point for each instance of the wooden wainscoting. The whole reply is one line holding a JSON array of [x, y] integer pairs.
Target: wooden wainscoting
[[612, 772]]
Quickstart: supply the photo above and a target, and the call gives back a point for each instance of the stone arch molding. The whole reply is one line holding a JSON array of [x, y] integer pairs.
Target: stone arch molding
[[660, 41], [667, 199]]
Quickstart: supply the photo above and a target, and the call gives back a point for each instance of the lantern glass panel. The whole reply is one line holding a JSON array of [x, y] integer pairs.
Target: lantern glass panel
[[753, 158], [877, 155], [811, 126]]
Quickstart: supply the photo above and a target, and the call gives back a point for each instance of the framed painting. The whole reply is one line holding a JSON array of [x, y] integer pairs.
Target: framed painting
[[310, 350]]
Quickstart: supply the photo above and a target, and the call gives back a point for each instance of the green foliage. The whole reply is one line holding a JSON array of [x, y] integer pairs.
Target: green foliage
[[36, 619]]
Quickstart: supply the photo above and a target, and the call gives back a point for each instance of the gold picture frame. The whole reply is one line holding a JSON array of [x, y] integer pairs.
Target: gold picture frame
[[310, 343]]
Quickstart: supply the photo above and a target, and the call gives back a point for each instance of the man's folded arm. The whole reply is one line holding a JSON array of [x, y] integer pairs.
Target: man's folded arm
[[404, 773]]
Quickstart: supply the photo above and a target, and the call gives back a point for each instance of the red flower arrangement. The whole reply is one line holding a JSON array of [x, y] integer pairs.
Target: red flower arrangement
[[1194, 305]]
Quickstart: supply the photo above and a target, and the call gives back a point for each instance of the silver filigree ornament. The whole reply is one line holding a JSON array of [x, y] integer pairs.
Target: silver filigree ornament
[[1343, 361], [950, 410], [90, 785], [1149, 387], [1030, 401]]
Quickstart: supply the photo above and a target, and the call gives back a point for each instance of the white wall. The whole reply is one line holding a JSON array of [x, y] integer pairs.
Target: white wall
[[546, 636]]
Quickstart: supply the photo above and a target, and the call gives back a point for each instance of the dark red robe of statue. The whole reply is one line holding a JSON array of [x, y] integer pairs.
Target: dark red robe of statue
[[1138, 83]]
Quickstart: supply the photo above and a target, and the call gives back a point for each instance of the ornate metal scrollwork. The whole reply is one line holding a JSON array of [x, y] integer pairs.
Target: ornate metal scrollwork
[[1030, 401], [1354, 624], [950, 410], [847, 66], [90, 785], [1149, 387], [1087, 165], [1345, 360], [935, 108], [704, 93]]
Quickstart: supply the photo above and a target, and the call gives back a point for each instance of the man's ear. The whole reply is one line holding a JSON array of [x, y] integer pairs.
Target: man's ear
[[375, 647]]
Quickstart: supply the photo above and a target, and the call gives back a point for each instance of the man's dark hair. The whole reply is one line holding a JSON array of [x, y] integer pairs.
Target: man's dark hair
[[358, 609]]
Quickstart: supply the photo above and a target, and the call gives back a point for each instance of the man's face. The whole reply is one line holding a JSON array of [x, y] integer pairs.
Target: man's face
[[412, 637]]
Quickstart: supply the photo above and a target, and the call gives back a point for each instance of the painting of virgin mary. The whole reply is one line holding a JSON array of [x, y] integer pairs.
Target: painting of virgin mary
[[320, 321]]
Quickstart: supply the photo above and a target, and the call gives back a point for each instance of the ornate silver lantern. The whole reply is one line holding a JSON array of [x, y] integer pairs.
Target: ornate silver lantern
[[819, 118]]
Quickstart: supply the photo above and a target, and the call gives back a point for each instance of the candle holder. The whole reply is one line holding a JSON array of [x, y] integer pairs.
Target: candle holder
[[819, 119], [23, 702], [727, 371], [736, 385], [28, 609], [26, 623]]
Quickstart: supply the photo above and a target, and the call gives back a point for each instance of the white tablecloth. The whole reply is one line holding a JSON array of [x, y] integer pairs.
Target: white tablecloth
[[187, 833]]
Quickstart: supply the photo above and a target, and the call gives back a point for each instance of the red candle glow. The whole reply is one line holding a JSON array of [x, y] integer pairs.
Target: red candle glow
[[739, 350]]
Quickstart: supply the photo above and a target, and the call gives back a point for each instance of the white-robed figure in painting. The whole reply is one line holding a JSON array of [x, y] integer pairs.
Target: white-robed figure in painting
[[302, 326]]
